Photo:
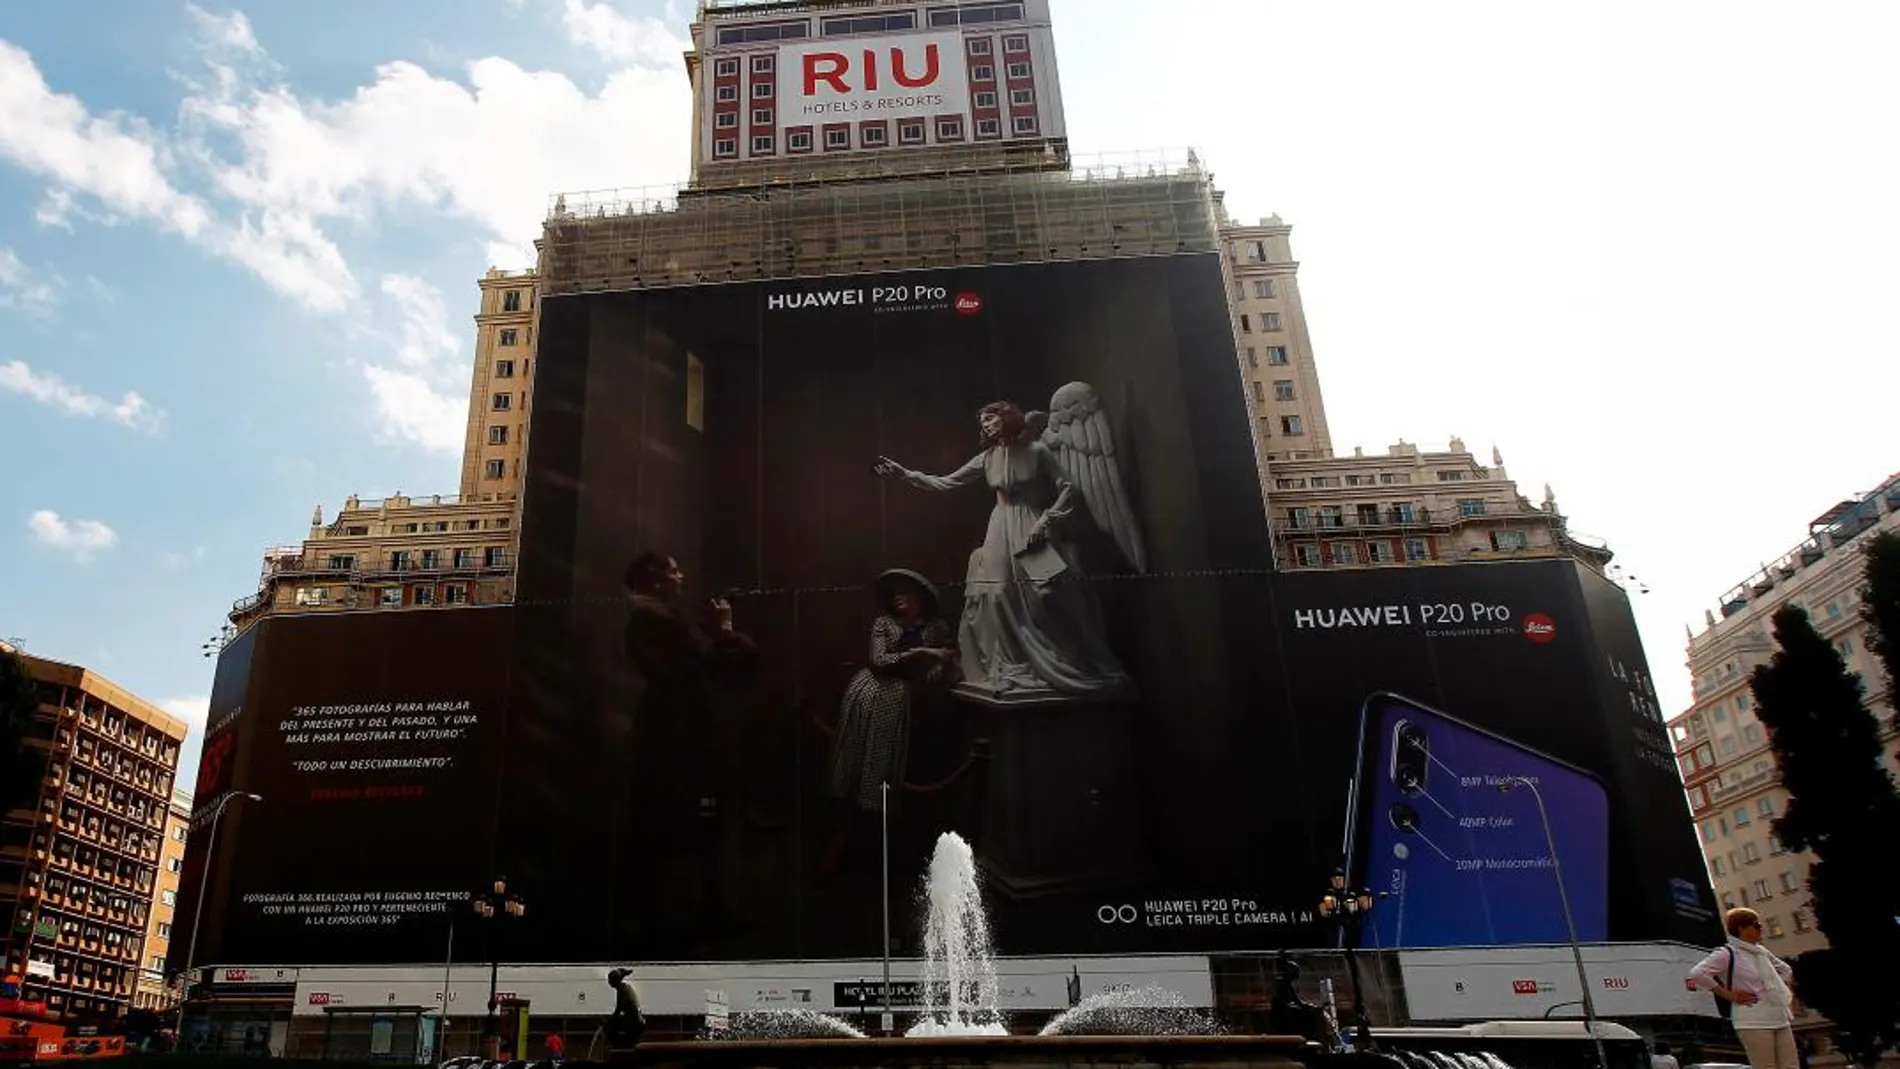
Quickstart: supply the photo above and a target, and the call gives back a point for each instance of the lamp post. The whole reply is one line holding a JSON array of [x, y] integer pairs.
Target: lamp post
[[496, 904], [1563, 899], [204, 881], [1349, 909]]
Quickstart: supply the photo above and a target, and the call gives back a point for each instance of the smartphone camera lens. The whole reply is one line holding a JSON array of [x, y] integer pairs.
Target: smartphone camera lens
[[1411, 757], [1404, 818]]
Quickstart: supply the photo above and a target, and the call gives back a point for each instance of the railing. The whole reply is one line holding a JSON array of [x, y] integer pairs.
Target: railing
[[1819, 545], [1747, 783]]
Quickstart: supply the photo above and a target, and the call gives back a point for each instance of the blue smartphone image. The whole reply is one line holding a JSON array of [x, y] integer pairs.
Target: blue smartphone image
[[1460, 861]]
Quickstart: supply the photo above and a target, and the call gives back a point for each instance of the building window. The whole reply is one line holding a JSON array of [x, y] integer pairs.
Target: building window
[[1715, 867], [1025, 124], [494, 469], [1801, 923], [798, 141], [762, 146], [726, 120], [1761, 890], [979, 46], [178, 833], [1018, 70], [761, 116], [1288, 484], [511, 301], [1300, 518], [1246, 323], [173, 864], [502, 402], [1260, 397], [762, 64], [1417, 549], [1751, 734], [164, 930], [1766, 807], [726, 94], [1741, 818], [1256, 252], [726, 147], [1291, 425], [986, 100], [390, 597], [425, 595], [504, 369], [510, 337], [1728, 746], [1308, 554], [1263, 288], [497, 436], [726, 68], [1283, 389], [762, 90], [1344, 553], [1751, 853], [1269, 321], [1016, 42], [1451, 476], [1022, 98], [169, 898], [1470, 506], [455, 594], [1789, 883], [1510, 541], [1380, 552], [874, 135], [911, 132], [949, 129], [837, 137], [989, 128], [1276, 355], [983, 72]]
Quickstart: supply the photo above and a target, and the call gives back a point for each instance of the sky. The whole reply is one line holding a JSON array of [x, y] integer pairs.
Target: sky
[[1644, 249]]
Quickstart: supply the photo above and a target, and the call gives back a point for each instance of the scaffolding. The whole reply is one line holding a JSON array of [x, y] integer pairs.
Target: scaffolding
[[969, 214]]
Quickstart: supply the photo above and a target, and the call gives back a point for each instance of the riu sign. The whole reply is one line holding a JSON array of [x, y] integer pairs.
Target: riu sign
[[900, 77]]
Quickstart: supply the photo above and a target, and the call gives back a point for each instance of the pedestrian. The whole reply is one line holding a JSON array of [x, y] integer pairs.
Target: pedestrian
[[557, 1047], [1662, 1059], [1756, 986]]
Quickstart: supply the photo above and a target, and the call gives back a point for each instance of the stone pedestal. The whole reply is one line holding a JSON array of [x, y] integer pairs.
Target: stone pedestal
[[1059, 808]]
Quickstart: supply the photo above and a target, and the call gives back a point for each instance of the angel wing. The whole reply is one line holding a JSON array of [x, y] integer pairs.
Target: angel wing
[[1078, 433]]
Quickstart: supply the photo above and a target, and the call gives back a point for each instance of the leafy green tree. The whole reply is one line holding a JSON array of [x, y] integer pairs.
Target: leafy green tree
[[19, 764], [1845, 809], [1880, 607]]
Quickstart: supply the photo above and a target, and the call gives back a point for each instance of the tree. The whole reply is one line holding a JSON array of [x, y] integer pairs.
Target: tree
[[1844, 808], [19, 763], [1880, 607]]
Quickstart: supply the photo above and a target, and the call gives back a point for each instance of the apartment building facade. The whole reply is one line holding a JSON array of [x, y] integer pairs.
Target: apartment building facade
[[1728, 766], [80, 866], [154, 991]]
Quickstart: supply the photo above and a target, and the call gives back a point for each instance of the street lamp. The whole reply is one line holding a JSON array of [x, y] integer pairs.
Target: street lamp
[[496, 903], [1563, 899], [204, 881], [1350, 909]]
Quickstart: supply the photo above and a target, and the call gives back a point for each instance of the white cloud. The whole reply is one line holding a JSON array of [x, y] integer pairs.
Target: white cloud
[[621, 38], [79, 538], [417, 400], [232, 32], [20, 288], [115, 159], [49, 389]]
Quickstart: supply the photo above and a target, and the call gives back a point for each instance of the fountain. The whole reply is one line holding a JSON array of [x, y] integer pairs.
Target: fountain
[[961, 1026]]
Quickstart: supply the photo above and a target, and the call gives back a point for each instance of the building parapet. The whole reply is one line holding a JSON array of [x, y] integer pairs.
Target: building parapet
[[1111, 207], [1828, 534]]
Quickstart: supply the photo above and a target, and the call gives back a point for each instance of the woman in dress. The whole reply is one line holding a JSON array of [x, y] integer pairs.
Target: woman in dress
[[911, 650], [1031, 623]]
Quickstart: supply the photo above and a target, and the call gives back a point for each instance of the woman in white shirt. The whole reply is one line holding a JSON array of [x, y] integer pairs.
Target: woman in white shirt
[[1759, 987]]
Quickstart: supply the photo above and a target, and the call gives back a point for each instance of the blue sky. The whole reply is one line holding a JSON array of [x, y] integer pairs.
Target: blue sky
[[238, 248]]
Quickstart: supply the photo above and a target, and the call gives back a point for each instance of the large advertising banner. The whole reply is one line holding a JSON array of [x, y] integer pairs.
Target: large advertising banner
[[976, 549], [907, 76], [374, 740]]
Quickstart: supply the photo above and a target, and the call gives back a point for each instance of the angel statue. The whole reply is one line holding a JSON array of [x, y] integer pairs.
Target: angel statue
[[1032, 626]]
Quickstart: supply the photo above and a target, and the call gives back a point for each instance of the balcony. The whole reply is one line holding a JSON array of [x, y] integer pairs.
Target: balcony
[[1751, 782]]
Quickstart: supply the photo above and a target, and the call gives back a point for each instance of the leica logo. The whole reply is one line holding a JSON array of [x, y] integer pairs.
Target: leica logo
[[968, 304], [1523, 987], [319, 998], [1539, 628]]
